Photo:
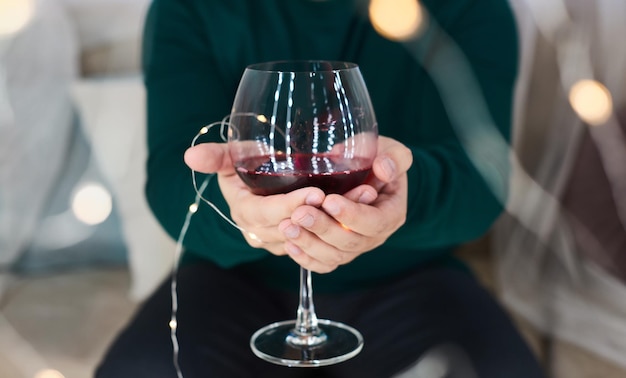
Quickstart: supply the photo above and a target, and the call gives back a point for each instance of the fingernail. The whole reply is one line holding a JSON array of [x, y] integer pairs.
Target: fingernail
[[292, 231], [367, 197], [331, 208], [313, 199], [292, 249], [389, 167]]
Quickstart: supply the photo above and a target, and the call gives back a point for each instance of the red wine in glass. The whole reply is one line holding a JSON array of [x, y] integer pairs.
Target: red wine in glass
[[333, 174]]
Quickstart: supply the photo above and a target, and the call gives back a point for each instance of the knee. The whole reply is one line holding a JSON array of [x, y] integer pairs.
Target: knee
[[445, 360], [117, 364]]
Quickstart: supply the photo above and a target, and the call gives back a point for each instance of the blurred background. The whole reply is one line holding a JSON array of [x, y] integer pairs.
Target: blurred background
[[79, 247]]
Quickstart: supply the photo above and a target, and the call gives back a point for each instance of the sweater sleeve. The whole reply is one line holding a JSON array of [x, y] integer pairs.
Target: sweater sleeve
[[459, 178], [186, 90], [191, 82]]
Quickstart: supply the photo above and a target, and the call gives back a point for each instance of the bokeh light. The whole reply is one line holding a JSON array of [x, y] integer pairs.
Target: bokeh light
[[49, 373], [397, 20], [591, 101], [92, 204], [14, 15]]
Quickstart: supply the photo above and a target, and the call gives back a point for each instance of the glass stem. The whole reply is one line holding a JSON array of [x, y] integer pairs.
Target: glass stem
[[306, 331], [306, 322]]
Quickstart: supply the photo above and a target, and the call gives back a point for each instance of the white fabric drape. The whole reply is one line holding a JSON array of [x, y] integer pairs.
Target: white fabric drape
[[40, 63], [543, 274]]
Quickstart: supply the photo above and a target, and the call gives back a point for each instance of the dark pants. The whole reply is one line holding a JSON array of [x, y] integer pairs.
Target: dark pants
[[400, 322]]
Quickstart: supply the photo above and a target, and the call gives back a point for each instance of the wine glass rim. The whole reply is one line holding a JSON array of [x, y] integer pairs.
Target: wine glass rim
[[280, 66]]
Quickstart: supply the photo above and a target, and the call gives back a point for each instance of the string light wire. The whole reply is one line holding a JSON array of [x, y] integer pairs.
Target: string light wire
[[193, 208], [223, 123]]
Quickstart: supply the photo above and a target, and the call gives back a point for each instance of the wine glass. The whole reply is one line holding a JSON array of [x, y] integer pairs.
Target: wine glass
[[296, 124]]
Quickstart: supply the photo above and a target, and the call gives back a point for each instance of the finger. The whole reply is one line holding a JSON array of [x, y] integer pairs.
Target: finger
[[328, 230], [243, 206], [209, 158], [255, 240], [307, 261], [263, 223], [320, 252], [264, 237], [371, 221], [365, 194], [393, 160], [281, 206]]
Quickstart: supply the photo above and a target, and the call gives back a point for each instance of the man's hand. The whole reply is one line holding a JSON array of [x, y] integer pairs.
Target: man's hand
[[258, 215], [319, 232], [344, 227]]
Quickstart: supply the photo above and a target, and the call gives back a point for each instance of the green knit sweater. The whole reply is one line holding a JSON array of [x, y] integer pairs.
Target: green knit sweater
[[195, 52]]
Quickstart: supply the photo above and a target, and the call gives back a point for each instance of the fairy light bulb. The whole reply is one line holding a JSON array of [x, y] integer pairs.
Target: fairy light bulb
[[253, 236], [193, 208], [397, 20], [591, 101], [92, 204], [15, 15], [173, 324], [49, 373]]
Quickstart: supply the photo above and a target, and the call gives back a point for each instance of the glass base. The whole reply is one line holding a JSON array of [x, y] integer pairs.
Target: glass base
[[341, 342]]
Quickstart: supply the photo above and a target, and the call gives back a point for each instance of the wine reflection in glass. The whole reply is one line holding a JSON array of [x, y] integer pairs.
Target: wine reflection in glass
[[296, 124]]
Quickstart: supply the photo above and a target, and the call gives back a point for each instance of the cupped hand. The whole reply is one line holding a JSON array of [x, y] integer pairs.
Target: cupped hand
[[257, 216], [343, 227]]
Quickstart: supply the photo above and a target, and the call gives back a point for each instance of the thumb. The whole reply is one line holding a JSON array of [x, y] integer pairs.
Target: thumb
[[209, 158], [393, 160]]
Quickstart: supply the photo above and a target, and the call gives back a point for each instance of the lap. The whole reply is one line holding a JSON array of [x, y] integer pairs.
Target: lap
[[434, 310], [219, 310], [217, 313]]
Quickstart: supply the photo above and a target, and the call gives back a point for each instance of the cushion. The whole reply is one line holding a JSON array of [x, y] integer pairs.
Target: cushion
[[105, 49], [112, 113]]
